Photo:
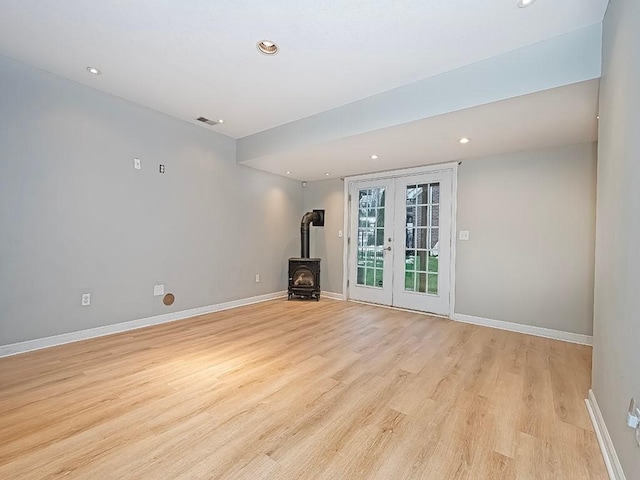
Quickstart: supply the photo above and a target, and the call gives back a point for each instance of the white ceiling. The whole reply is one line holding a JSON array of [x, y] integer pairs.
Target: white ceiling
[[190, 58], [555, 117], [194, 58]]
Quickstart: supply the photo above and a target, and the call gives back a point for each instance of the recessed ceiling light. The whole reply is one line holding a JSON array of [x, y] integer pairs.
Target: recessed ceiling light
[[93, 70], [464, 140], [327, 174], [525, 3], [220, 121], [267, 47], [374, 157], [288, 172]]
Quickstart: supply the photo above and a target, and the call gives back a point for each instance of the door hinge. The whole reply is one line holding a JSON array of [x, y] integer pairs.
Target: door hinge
[[348, 240], [347, 283], [349, 197]]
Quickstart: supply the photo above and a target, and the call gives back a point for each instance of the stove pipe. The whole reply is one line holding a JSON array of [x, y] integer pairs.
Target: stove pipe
[[317, 218]]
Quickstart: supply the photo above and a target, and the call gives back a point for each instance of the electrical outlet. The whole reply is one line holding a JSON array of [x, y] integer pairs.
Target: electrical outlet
[[158, 290], [257, 278], [136, 164], [161, 168], [86, 299]]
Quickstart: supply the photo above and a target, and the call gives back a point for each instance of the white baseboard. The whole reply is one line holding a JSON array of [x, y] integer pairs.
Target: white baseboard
[[335, 296], [528, 329], [609, 454], [37, 344]]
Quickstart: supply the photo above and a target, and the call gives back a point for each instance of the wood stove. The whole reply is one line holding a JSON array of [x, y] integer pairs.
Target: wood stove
[[304, 272], [304, 278]]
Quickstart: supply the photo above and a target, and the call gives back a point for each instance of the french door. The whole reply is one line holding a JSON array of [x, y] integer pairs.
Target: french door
[[400, 241]]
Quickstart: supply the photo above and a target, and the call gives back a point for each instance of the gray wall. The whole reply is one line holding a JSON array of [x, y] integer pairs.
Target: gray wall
[[325, 242], [530, 257], [616, 352], [76, 217]]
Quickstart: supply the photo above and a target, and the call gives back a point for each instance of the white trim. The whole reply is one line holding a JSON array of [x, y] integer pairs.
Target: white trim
[[454, 239], [332, 295], [611, 461], [401, 309], [528, 329], [37, 344], [404, 172], [346, 225]]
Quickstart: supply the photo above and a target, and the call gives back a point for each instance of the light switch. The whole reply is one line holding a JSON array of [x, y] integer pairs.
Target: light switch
[[158, 290], [86, 299], [464, 234], [339, 233]]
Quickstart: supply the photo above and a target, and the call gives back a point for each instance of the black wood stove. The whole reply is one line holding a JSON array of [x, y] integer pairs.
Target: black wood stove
[[304, 272]]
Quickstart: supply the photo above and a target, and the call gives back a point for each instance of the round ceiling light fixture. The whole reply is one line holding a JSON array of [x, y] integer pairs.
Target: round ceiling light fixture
[[525, 3], [288, 172], [267, 47], [327, 174], [464, 140], [374, 157], [93, 70]]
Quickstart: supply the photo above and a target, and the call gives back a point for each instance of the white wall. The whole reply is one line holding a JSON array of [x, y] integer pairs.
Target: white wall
[[76, 217], [530, 257], [616, 350]]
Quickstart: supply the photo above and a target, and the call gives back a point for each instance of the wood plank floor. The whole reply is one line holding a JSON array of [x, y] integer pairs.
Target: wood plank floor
[[301, 390]]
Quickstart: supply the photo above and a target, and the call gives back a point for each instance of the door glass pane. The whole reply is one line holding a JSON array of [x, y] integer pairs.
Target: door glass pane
[[410, 260], [410, 238], [434, 215], [434, 193], [433, 263], [409, 281], [432, 286], [369, 280], [371, 205], [421, 260], [379, 281], [421, 237], [433, 242], [421, 283]]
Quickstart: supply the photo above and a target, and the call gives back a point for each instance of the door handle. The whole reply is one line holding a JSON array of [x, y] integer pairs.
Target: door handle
[[388, 248]]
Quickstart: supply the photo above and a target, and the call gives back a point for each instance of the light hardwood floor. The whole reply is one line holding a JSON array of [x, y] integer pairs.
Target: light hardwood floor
[[301, 390]]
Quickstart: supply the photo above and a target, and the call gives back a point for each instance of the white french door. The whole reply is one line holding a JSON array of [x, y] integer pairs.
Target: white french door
[[400, 241], [370, 239]]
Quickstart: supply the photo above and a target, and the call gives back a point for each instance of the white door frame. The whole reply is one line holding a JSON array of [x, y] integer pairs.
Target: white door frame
[[453, 167]]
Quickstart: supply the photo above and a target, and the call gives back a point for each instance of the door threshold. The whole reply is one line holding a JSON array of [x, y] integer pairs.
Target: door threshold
[[421, 312]]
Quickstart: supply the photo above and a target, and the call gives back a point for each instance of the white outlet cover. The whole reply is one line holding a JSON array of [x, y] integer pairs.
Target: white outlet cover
[[86, 299], [136, 164], [158, 290], [257, 277], [339, 233], [464, 235]]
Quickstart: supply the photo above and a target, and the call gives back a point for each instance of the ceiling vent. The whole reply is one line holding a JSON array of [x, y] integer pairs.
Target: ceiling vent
[[208, 122]]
